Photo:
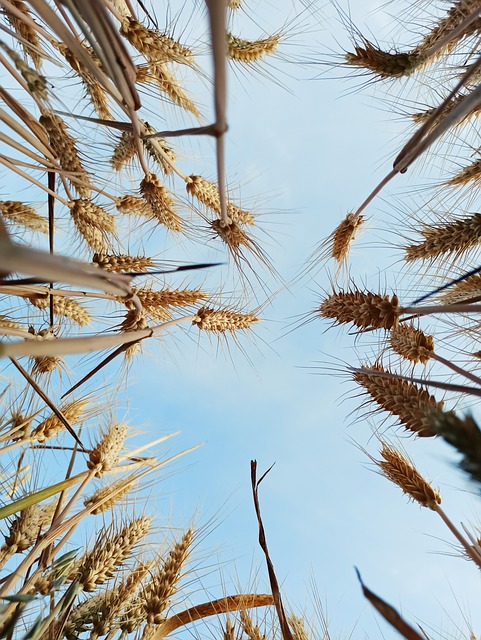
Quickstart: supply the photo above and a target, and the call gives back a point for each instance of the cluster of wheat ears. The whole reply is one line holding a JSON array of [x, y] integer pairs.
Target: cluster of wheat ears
[[80, 79]]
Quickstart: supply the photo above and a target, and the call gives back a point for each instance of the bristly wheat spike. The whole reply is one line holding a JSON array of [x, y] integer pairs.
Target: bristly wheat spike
[[134, 321], [51, 426], [401, 471], [247, 51], [36, 83], [118, 600], [162, 204], [464, 435], [93, 223], [397, 64], [234, 237], [208, 193], [168, 83], [467, 290], [25, 31], [20, 426], [93, 88], [472, 173], [22, 533], [99, 614], [82, 615], [154, 45], [116, 489], [415, 408], [124, 151], [448, 239], [134, 206], [365, 310], [457, 13], [122, 262], [104, 456], [384, 64], [45, 364], [422, 116], [23, 215], [154, 154], [158, 303], [134, 617], [65, 150], [251, 630], [233, 4], [222, 320], [412, 344], [163, 585], [298, 628], [97, 566], [343, 236], [65, 307]]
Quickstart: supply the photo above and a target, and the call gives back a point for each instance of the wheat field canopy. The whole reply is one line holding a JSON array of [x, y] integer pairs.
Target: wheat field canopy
[[201, 205]]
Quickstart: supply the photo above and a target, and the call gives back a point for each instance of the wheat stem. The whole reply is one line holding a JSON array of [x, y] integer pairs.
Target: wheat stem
[[472, 553], [457, 369], [441, 308]]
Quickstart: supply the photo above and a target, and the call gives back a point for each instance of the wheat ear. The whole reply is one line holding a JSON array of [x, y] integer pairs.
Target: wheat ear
[[222, 320], [412, 344], [365, 310], [121, 262], [154, 45], [163, 206], [23, 215], [163, 585], [66, 152], [109, 553], [22, 533], [51, 426], [415, 408], [64, 307], [93, 223], [449, 239], [248, 51], [402, 472], [105, 455]]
